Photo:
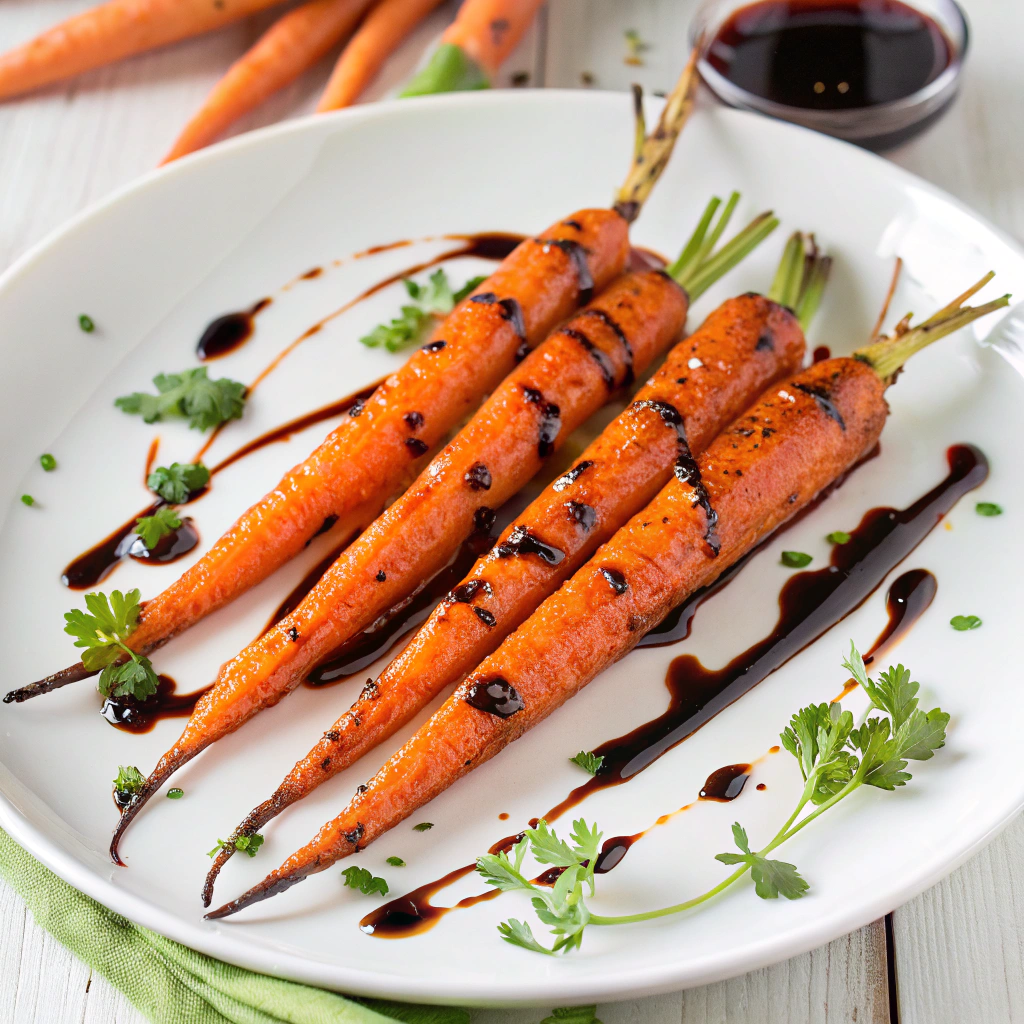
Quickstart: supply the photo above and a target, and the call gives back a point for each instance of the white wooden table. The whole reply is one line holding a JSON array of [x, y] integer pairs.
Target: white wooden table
[[954, 954]]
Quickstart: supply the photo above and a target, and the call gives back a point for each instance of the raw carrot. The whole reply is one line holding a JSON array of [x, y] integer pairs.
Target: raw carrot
[[705, 382], [292, 45], [378, 37], [474, 46], [715, 510], [111, 31]]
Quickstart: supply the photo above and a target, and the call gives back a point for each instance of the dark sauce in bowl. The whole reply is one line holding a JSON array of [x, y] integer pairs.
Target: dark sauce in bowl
[[830, 54], [870, 71]]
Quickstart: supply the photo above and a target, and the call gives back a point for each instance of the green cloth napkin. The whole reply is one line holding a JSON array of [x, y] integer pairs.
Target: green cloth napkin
[[172, 984]]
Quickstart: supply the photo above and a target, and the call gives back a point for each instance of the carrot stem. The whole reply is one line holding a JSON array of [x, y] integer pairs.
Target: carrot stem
[[887, 355], [450, 69]]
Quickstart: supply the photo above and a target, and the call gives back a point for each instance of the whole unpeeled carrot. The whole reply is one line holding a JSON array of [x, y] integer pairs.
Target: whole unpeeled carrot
[[474, 46], [292, 45], [800, 436], [111, 31], [384, 28]]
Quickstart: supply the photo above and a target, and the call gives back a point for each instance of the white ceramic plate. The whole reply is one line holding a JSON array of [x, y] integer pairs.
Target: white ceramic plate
[[217, 232]]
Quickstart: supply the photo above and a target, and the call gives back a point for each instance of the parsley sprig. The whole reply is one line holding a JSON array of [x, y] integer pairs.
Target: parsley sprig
[[588, 761], [152, 529], [177, 482], [101, 632], [245, 844], [434, 299], [190, 394], [365, 881], [835, 757]]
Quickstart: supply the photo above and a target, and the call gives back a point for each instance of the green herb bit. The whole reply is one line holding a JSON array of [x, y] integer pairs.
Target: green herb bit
[[423, 826], [835, 759], [588, 761], [364, 881], [101, 632], [573, 1015], [839, 537], [175, 794], [48, 462], [245, 844], [635, 46], [86, 323], [988, 508], [796, 559], [152, 529], [961, 623], [190, 394], [396, 862], [27, 499], [178, 481], [434, 299], [129, 780]]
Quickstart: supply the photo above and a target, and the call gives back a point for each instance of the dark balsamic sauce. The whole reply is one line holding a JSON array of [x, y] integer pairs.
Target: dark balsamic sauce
[[522, 542], [495, 696], [810, 603], [725, 784], [613, 325], [169, 548], [604, 364], [228, 332], [821, 353], [366, 647], [131, 715], [578, 257], [830, 54]]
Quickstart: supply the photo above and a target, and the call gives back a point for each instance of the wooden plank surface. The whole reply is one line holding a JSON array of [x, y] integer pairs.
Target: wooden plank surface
[[957, 947]]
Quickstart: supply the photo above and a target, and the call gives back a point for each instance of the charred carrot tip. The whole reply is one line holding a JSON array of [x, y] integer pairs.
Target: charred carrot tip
[[72, 674], [270, 886]]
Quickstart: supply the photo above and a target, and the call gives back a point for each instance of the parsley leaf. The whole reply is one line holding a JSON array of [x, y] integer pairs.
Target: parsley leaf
[[839, 537], [396, 862], [364, 881], [964, 622], [988, 508], [635, 46], [178, 482], [588, 761], [246, 844], [431, 300], [134, 678], [191, 394], [86, 323], [152, 529], [772, 878], [129, 780], [796, 559], [423, 826]]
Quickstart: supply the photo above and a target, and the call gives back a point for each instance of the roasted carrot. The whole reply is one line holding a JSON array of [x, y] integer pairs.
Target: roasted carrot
[[809, 430], [111, 31], [553, 391], [292, 45], [349, 477], [474, 46], [378, 36], [705, 382]]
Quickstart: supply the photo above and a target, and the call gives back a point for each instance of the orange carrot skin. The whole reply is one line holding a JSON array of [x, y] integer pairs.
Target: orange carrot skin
[[289, 47], [742, 346], [113, 30], [497, 452], [378, 36], [364, 459], [489, 30], [662, 554]]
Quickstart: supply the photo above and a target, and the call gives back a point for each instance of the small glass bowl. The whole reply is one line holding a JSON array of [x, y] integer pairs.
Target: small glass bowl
[[877, 127]]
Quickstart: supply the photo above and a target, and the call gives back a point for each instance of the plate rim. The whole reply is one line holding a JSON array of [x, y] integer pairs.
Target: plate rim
[[216, 941]]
